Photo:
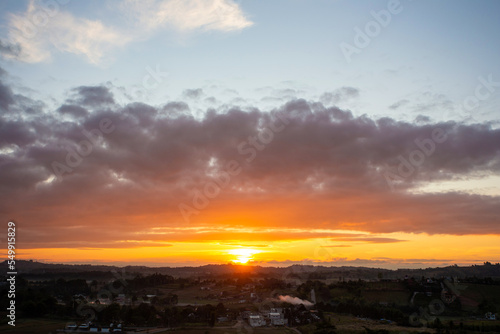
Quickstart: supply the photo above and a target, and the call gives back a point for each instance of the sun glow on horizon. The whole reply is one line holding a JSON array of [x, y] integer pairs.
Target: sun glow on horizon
[[244, 255], [390, 251]]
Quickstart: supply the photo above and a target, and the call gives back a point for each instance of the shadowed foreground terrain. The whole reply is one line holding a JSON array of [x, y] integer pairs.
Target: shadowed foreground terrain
[[240, 299]]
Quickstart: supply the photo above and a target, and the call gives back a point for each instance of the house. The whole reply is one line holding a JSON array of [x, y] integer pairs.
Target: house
[[256, 321], [276, 319]]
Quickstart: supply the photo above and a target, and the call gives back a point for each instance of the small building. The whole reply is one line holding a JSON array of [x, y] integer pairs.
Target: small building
[[276, 319], [71, 326], [84, 327], [256, 321]]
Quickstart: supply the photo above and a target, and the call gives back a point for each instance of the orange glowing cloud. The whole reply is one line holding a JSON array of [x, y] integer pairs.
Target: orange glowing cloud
[[285, 179]]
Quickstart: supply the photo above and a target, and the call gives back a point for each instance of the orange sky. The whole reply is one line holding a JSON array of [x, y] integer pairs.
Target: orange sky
[[414, 252], [277, 232], [300, 184]]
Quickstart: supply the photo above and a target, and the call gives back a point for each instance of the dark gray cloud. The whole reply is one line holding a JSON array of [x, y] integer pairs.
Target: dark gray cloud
[[175, 108], [15, 133], [93, 96], [322, 166], [422, 119], [6, 95], [193, 93], [73, 110]]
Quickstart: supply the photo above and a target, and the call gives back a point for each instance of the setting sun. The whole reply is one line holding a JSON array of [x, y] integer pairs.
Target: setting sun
[[244, 255]]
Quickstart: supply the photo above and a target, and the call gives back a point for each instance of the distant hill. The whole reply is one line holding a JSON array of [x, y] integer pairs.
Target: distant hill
[[33, 268]]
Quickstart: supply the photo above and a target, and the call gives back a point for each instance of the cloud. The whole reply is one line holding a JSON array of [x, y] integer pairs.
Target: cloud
[[430, 101], [92, 96], [340, 94], [322, 171], [36, 34], [374, 240], [39, 31], [193, 93], [386, 262], [399, 104], [188, 15], [6, 96], [9, 50], [336, 261], [74, 110], [422, 119]]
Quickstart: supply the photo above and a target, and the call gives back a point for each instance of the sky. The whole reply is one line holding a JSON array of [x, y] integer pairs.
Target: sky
[[272, 133]]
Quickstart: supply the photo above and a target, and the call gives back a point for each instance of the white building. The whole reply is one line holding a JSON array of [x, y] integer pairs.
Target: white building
[[276, 319], [256, 321]]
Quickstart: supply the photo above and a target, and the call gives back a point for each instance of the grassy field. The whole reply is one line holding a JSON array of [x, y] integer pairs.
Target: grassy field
[[193, 295], [472, 294], [189, 295], [347, 324], [397, 297]]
